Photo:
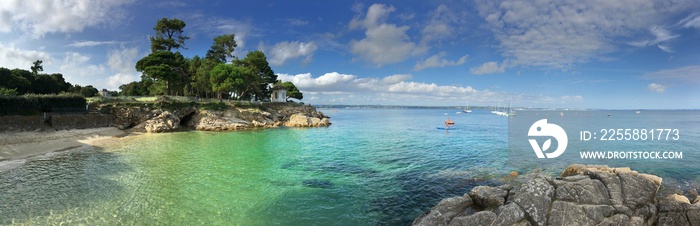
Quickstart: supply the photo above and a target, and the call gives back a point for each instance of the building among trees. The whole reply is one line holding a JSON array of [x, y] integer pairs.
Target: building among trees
[[279, 93]]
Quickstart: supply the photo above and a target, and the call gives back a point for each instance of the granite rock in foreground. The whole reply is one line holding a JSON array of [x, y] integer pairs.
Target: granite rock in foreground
[[581, 195]]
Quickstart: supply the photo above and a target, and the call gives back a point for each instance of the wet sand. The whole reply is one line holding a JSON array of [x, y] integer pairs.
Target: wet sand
[[19, 145]]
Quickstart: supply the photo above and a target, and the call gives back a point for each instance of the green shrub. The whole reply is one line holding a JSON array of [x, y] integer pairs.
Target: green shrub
[[32, 104]]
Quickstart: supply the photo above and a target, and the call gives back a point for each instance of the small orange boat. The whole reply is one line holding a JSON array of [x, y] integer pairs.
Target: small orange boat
[[449, 122]]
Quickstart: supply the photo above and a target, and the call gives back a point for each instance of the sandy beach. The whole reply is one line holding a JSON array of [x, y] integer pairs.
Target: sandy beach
[[18, 145]]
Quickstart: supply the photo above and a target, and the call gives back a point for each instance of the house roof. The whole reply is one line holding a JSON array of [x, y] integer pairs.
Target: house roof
[[278, 87]]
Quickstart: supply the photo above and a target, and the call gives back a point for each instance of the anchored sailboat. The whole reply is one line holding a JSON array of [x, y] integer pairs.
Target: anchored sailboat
[[467, 110], [505, 112]]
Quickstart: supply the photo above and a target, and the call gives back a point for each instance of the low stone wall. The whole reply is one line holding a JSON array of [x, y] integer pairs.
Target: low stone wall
[[56, 122], [81, 121], [22, 123]]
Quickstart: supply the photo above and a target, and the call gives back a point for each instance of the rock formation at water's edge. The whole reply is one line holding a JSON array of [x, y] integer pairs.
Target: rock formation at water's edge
[[157, 120], [581, 195]]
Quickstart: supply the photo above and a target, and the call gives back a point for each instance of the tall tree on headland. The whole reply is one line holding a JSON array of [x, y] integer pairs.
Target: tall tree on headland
[[36, 67], [162, 66], [223, 47], [257, 62], [168, 35]]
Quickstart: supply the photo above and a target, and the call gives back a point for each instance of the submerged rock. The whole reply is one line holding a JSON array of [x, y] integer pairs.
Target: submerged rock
[[316, 183], [582, 195]]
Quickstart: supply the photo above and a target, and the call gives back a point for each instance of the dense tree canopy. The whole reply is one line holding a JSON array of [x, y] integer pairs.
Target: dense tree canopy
[[167, 72], [292, 91], [162, 66], [20, 81], [257, 62], [86, 91]]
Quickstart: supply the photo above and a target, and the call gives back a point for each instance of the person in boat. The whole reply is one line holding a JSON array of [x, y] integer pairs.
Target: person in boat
[[449, 123]]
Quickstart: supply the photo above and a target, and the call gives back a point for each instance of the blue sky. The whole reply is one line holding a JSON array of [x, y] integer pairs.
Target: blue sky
[[567, 54]]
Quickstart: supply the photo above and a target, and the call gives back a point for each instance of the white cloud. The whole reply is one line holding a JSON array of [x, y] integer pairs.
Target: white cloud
[[121, 63], [383, 43], [687, 74], [392, 79], [657, 88], [570, 99], [113, 82], [284, 51], [560, 34], [338, 88], [170, 4], [665, 48], [93, 43], [333, 81], [394, 89], [76, 68], [123, 60], [442, 24], [488, 68], [438, 60], [297, 22], [660, 35], [12, 57], [37, 17], [199, 23], [692, 21]]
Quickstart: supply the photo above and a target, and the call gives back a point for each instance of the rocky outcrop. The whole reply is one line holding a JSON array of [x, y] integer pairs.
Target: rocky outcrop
[[152, 120], [217, 121], [163, 122], [581, 195], [301, 120]]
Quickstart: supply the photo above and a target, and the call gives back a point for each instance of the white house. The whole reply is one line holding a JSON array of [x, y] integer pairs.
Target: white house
[[104, 93], [279, 94]]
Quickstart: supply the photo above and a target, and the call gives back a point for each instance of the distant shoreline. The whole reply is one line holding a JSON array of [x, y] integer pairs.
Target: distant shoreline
[[488, 108]]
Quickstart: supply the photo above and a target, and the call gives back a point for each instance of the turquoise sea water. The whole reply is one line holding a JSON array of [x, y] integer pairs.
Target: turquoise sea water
[[371, 167]]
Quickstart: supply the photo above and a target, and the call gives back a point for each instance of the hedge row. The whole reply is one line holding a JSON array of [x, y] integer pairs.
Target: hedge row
[[33, 104]]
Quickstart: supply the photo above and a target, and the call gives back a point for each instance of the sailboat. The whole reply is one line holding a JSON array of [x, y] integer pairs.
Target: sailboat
[[467, 110], [510, 111], [637, 107], [507, 113], [495, 109]]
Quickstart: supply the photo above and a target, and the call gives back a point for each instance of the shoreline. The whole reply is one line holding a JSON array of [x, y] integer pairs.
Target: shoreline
[[22, 137], [24, 145]]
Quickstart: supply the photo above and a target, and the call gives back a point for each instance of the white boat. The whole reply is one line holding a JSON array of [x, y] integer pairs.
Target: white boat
[[507, 113], [510, 111], [467, 110], [637, 111], [496, 111]]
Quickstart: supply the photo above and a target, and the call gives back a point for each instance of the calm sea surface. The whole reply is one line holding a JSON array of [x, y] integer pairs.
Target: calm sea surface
[[371, 167]]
